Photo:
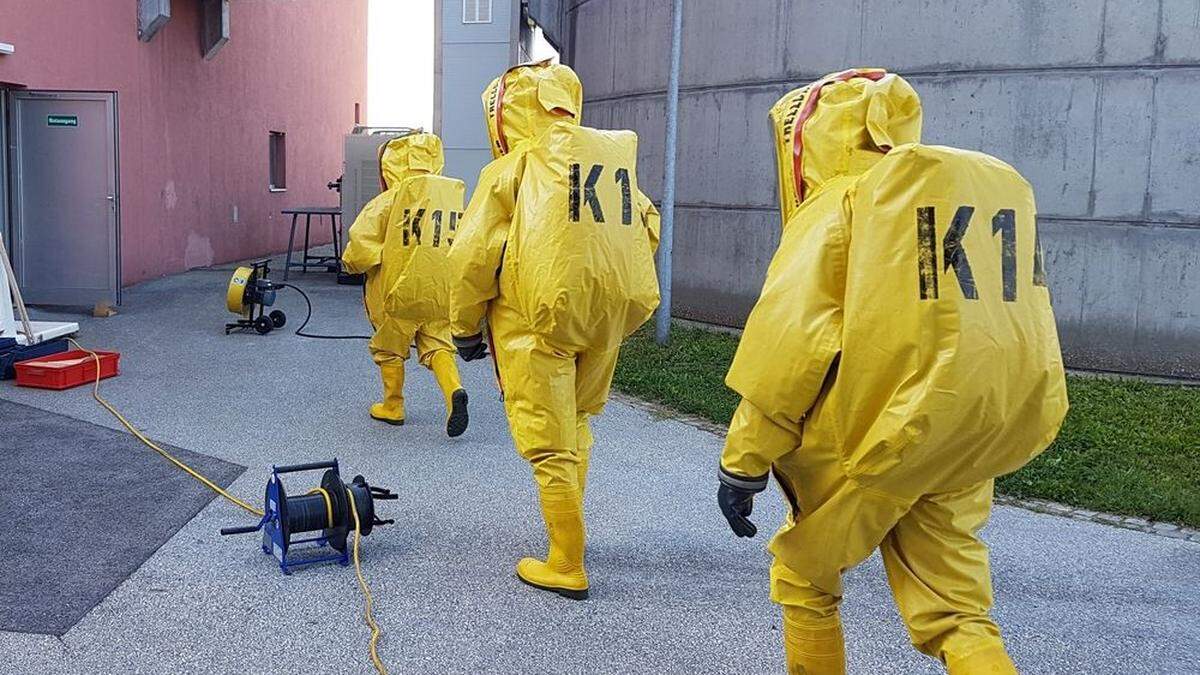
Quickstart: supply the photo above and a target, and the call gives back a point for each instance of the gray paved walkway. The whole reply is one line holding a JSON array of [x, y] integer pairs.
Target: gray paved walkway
[[673, 590]]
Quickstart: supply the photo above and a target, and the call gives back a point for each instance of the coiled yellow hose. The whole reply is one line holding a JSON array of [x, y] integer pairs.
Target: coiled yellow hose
[[362, 582]]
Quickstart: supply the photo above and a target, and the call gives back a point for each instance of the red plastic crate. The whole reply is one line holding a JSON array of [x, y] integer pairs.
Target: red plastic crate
[[66, 369]]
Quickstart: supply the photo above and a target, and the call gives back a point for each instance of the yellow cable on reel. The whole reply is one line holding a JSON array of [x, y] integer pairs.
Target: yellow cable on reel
[[328, 504], [362, 582]]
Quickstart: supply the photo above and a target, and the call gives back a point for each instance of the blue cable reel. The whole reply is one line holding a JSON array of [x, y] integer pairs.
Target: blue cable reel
[[325, 510]]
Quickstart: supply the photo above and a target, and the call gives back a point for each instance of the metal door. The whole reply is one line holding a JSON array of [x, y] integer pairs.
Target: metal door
[[65, 198]]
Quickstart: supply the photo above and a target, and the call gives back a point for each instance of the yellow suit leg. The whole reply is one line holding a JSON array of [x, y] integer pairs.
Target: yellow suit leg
[[583, 449], [432, 338], [539, 383], [539, 398], [938, 571], [593, 380], [834, 525], [436, 352]]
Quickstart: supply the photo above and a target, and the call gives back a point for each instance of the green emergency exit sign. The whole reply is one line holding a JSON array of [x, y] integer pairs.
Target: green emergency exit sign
[[62, 120]]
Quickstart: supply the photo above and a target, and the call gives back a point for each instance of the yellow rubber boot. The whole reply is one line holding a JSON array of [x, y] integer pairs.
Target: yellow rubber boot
[[446, 371], [562, 572], [813, 649], [391, 410], [987, 661]]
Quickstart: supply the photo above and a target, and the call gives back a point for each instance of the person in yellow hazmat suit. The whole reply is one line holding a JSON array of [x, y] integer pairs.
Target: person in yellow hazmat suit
[[556, 254], [903, 353], [401, 240]]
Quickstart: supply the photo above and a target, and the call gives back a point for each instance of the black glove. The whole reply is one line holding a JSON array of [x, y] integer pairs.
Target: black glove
[[735, 496], [472, 347]]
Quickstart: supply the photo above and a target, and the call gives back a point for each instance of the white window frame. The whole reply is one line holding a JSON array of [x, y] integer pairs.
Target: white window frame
[[478, 4]]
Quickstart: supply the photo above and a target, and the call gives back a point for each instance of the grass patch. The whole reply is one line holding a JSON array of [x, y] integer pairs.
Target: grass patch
[[1126, 447], [688, 375]]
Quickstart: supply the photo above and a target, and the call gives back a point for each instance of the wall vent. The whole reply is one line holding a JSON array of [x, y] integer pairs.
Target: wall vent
[[214, 27], [152, 16]]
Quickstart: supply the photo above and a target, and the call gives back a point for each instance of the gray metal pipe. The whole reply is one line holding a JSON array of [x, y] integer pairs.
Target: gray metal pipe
[[666, 242]]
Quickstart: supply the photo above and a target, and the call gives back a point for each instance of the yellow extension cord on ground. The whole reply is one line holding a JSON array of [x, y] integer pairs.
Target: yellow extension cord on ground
[[362, 582], [367, 602]]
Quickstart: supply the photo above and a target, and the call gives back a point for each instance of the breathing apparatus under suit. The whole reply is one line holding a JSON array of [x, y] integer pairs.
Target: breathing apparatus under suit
[[903, 353], [556, 251], [401, 240]]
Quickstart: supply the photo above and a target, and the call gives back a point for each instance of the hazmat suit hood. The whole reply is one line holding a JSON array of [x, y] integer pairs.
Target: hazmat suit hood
[[412, 155], [524, 101], [399, 240], [840, 125]]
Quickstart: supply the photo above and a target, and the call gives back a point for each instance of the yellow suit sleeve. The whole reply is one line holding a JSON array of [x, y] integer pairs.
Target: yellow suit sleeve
[[478, 249], [650, 219], [791, 339], [364, 245], [755, 440]]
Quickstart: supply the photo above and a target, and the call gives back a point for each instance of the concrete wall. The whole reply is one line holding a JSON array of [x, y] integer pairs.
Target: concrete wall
[[1095, 101], [193, 133]]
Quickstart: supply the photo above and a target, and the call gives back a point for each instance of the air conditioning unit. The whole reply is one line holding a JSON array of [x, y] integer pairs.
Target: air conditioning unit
[[360, 165]]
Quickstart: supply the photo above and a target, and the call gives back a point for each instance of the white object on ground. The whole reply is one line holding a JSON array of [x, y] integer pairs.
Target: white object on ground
[[25, 331]]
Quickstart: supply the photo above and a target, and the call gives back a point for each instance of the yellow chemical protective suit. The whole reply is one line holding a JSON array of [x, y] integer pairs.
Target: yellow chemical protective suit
[[903, 354], [401, 240], [556, 252]]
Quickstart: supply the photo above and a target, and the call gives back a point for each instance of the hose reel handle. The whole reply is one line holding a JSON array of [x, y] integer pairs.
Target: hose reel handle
[[383, 493], [244, 529], [311, 466]]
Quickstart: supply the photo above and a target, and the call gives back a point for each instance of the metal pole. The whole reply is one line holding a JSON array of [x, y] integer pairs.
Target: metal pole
[[667, 235]]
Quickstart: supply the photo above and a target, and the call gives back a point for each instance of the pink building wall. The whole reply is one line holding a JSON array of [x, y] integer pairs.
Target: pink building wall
[[193, 133]]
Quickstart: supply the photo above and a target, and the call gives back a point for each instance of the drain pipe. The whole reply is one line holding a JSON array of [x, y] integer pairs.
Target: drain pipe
[[667, 236]]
